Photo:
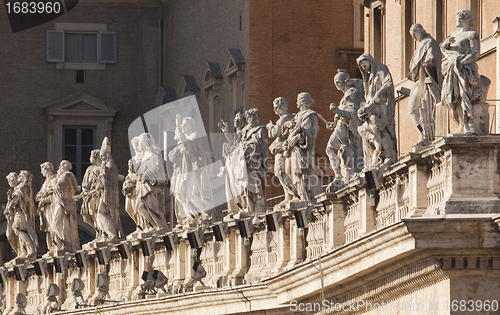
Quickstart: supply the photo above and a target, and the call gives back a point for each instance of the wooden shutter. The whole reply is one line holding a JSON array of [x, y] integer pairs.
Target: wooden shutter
[[55, 46], [107, 47]]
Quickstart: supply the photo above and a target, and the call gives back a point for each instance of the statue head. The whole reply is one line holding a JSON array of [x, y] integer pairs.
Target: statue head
[[304, 100], [136, 145], [252, 116], [25, 177], [239, 121], [280, 106], [12, 179], [365, 63], [341, 79], [417, 32], [105, 152], [47, 169], [188, 125], [464, 18], [95, 157], [65, 166]]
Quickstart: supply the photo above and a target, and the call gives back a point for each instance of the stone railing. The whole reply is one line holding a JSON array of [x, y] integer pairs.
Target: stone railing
[[455, 175]]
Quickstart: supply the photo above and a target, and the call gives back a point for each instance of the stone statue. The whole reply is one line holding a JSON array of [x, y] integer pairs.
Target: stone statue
[[254, 147], [299, 148], [89, 193], [236, 178], [64, 220], [12, 180], [142, 189], [378, 130], [281, 166], [425, 71], [108, 217], [45, 199], [190, 179], [464, 90], [344, 148], [20, 214]]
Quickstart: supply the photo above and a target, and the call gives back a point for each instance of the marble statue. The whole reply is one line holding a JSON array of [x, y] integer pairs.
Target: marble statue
[[89, 194], [64, 221], [20, 215], [143, 188], [236, 178], [344, 147], [45, 198], [281, 164], [107, 188], [254, 147], [425, 71], [464, 90], [190, 183], [378, 129], [299, 148]]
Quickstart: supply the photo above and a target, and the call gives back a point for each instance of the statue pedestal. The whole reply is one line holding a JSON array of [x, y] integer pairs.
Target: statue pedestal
[[139, 235], [15, 262], [296, 205], [54, 253], [95, 245]]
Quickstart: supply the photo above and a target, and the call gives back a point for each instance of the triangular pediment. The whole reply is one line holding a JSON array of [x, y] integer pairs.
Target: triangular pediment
[[188, 86], [211, 75], [81, 106], [80, 103], [234, 62]]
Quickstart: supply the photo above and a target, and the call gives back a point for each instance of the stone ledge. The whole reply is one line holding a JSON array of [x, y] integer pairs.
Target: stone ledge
[[403, 241]]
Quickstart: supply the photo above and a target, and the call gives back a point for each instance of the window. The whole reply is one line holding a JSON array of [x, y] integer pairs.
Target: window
[[378, 32], [81, 47], [78, 142], [409, 43], [358, 23], [440, 21], [69, 120], [475, 8]]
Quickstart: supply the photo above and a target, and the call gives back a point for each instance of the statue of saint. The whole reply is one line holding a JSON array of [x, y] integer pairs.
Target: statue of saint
[[254, 147], [425, 71], [89, 192], [64, 222], [344, 148], [464, 90], [282, 168], [143, 190], [190, 180], [108, 218], [20, 214], [45, 199], [378, 129], [236, 178], [299, 148]]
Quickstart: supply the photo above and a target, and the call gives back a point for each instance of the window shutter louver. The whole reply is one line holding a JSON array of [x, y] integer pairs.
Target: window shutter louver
[[55, 46], [107, 47]]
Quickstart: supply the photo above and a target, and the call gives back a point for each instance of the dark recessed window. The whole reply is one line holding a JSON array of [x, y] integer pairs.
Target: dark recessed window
[[78, 142], [80, 76]]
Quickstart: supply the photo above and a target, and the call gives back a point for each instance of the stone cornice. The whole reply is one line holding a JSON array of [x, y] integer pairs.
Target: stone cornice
[[386, 247]]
